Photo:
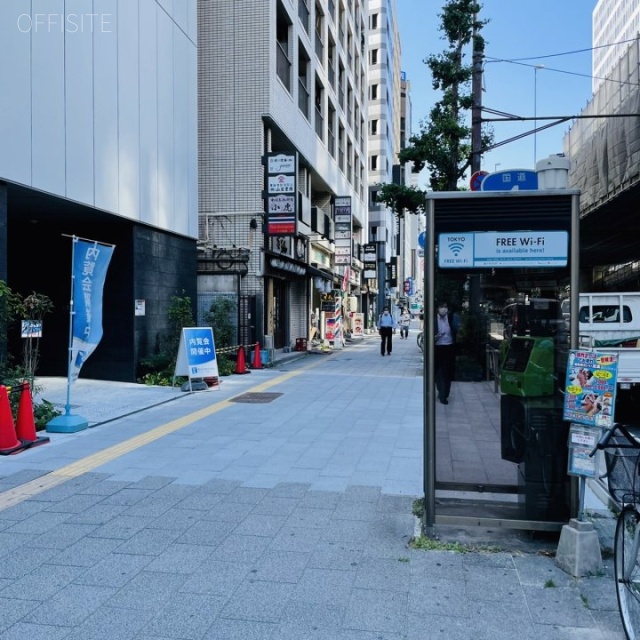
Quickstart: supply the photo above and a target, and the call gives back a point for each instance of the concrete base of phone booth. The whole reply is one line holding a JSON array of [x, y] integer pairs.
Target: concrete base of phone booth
[[578, 551]]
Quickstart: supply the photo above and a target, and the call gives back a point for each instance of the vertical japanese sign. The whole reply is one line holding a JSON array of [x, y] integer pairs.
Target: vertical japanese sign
[[343, 232], [89, 270], [590, 389], [281, 195]]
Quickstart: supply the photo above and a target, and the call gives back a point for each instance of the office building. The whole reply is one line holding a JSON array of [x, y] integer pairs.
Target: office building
[[98, 124], [282, 139], [384, 118], [614, 24]]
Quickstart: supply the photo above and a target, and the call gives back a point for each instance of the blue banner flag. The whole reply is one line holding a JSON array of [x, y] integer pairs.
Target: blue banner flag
[[90, 264]]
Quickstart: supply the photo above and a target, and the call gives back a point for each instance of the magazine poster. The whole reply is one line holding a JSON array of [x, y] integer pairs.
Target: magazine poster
[[590, 387]]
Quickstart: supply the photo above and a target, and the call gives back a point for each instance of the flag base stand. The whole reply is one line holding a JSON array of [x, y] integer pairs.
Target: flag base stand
[[67, 423]]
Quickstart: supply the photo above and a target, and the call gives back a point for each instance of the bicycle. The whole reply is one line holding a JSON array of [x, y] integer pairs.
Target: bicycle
[[622, 457]]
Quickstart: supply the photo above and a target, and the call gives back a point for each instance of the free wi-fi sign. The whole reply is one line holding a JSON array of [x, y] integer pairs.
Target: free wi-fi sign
[[455, 250]]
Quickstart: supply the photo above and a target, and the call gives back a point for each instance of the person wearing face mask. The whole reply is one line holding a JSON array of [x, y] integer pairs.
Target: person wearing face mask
[[386, 325], [444, 356]]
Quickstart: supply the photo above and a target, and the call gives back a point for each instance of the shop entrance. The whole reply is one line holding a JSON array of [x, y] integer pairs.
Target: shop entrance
[[496, 448]]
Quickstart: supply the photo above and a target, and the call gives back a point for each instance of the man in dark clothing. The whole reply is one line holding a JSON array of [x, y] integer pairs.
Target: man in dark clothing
[[444, 356]]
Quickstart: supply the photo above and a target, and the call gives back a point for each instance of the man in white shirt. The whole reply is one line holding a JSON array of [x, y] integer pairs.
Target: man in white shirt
[[405, 321], [386, 325]]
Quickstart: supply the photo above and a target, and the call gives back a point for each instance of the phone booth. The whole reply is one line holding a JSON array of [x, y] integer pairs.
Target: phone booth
[[495, 454]]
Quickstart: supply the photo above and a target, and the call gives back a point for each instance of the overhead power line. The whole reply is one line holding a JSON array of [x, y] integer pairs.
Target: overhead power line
[[568, 53], [569, 73]]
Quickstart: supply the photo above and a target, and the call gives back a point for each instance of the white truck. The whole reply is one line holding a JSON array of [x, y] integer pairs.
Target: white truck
[[611, 322]]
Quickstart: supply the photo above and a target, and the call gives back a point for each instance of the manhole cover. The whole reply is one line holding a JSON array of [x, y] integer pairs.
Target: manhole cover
[[256, 398]]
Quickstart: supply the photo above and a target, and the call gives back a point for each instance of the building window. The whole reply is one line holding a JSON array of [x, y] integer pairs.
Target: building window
[[374, 127], [374, 56], [374, 163], [374, 92], [303, 81], [331, 129], [374, 197], [319, 34], [374, 21], [283, 53], [319, 108], [303, 14], [331, 62]]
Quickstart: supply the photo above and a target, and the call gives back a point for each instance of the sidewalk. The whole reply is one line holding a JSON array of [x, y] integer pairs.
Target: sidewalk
[[277, 507]]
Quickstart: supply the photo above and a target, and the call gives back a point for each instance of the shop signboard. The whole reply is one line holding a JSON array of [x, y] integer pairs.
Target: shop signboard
[[343, 230], [280, 198], [357, 320]]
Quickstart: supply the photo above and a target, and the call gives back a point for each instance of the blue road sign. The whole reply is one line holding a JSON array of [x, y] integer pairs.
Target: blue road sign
[[512, 180], [421, 239]]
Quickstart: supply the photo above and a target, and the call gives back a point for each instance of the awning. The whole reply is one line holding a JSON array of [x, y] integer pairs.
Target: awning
[[284, 264], [325, 274]]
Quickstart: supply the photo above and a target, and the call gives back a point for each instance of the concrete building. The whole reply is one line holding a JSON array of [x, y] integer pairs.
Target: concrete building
[[384, 117], [614, 23], [282, 84], [409, 270], [98, 124], [605, 167]]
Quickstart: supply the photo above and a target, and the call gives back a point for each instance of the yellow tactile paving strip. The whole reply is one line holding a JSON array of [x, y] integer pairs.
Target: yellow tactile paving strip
[[54, 478]]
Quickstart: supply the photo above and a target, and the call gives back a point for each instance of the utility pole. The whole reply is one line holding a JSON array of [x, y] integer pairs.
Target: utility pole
[[476, 109], [476, 143]]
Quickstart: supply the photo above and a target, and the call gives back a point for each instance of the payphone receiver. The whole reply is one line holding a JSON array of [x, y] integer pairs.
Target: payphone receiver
[[528, 367]]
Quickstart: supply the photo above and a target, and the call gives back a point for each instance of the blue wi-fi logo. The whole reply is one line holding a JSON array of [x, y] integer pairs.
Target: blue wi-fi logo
[[456, 248]]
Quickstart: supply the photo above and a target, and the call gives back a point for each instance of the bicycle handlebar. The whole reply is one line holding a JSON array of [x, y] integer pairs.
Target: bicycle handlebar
[[603, 442]]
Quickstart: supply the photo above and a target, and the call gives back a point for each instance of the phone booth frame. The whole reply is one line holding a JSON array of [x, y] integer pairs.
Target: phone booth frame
[[478, 212]]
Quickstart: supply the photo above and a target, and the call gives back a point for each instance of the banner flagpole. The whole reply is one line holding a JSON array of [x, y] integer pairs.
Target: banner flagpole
[[69, 423]]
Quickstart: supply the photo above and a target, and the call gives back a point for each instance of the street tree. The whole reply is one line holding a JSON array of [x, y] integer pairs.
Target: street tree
[[444, 143]]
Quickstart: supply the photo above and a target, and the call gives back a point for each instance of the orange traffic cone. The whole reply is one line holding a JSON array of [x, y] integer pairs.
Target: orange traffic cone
[[257, 360], [25, 423], [241, 367], [8, 442]]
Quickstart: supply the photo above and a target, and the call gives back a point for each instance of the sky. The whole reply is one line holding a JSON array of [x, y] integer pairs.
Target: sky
[[517, 29]]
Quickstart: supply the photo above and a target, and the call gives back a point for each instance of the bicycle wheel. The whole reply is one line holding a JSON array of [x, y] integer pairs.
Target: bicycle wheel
[[627, 570], [420, 340]]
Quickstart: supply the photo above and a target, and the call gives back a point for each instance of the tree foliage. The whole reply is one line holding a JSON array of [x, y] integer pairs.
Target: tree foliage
[[443, 144]]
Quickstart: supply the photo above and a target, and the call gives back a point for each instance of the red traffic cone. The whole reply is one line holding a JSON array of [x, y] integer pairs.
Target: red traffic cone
[[257, 360], [241, 367], [8, 442], [25, 423]]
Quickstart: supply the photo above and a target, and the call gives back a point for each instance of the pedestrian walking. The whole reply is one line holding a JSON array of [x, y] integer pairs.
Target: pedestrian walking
[[386, 327], [405, 322], [444, 356]]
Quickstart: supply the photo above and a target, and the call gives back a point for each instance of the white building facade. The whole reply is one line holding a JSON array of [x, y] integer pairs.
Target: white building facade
[[98, 123], [384, 120], [280, 77], [614, 24]]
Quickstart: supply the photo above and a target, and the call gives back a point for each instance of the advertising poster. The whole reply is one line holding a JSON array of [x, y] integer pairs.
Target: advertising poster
[[358, 324], [590, 388], [329, 326]]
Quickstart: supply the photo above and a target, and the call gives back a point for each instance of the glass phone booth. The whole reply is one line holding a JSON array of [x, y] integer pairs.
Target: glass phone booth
[[507, 264]]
